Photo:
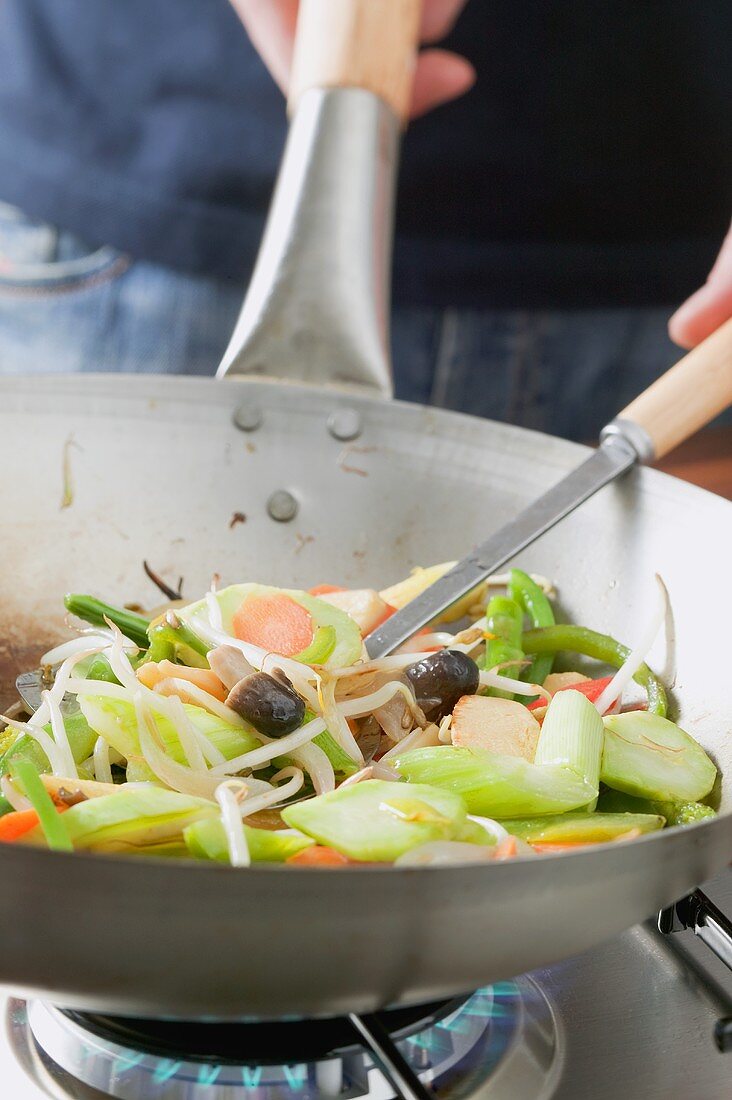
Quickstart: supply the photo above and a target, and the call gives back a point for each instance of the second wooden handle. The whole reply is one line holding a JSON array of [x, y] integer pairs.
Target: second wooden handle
[[688, 396], [368, 44]]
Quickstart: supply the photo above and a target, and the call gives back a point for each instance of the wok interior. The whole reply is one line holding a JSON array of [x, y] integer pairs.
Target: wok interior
[[108, 471]]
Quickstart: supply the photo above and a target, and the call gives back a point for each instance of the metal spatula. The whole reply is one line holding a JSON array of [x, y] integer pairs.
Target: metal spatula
[[683, 400], [318, 302]]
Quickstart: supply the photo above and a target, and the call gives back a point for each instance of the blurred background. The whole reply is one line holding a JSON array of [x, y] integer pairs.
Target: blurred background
[[564, 191]]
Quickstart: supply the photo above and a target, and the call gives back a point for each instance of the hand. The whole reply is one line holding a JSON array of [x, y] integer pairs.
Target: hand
[[709, 307], [440, 75]]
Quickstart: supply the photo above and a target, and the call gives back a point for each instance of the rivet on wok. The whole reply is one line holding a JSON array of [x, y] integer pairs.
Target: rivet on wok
[[248, 418], [345, 424], [282, 506]]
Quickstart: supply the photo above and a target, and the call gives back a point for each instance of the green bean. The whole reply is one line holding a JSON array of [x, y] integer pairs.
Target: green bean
[[504, 621], [51, 821], [94, 611], [580, 639], [527, 593]]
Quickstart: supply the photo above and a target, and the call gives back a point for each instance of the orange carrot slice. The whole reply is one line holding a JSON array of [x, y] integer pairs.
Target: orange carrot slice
[[16, 824], [325, 589], [319, 856], [275, 623]]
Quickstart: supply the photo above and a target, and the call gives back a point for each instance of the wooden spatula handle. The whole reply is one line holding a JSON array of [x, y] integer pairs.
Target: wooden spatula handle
[[368, 44], [688, 396]]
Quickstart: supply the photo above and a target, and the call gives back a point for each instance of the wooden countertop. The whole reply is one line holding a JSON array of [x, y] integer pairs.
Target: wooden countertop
[[705, 460]]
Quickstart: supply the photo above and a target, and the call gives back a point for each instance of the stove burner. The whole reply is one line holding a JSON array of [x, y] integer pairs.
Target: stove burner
[[254, 1042], [499, 1035]]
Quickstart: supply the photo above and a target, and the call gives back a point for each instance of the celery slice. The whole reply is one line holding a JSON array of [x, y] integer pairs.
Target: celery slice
[[115, 721], [20, 746], [377, 820], [206, 839], [580, 828], [136, 818], [650, 757], [572, 735], [497, 786]]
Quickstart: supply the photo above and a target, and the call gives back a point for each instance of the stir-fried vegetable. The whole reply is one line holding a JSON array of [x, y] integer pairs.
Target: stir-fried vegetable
[[578, 639], [650, 757], [524, 590], [251, 727], [94, 611], [504, 626], [48, 817], [498, 786]]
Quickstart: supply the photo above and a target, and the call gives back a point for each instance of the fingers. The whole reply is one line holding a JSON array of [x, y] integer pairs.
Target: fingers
[[440, 77], [438, 18], [709, 307], [271, 27]]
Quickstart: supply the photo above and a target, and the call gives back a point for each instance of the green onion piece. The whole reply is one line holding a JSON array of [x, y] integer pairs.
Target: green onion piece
[[177, 643], [579, 639], [50, 819], [528, 595], [572, 735], [94, 611]]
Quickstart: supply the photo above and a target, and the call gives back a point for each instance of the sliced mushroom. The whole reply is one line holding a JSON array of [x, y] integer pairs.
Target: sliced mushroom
[[268, 704], [229, 664]]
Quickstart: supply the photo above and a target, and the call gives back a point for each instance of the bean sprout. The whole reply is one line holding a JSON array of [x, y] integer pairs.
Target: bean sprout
[[637, 656], [102, 766], [283, 746], [227, 796], [518, 687]]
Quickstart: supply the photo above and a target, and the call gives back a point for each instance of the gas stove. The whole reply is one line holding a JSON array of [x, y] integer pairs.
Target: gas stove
[[648, 1016]]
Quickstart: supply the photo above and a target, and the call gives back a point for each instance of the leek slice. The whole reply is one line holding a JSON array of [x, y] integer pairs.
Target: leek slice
[[651, 757], [498, 786], [572, 734], [377, 820]]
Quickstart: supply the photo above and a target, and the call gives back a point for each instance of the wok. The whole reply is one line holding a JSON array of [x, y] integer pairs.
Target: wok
[[102, 472]]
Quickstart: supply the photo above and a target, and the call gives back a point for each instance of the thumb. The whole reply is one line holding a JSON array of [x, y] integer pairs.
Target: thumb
[[709, 307]]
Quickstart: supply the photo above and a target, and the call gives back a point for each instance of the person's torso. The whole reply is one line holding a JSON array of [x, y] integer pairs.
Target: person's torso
[[591, 125]]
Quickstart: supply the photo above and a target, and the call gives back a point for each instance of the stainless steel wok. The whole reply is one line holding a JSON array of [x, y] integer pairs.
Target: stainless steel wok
[[101, 472]]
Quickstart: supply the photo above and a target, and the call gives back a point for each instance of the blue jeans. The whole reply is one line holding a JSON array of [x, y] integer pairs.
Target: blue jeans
[[66, 307]]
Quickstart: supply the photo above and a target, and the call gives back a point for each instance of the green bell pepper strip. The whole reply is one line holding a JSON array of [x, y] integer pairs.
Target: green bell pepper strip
[[580, 639], [93, 611], [50, 819], [528, 595], [504, 620], [100, 669], [176, 643]]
